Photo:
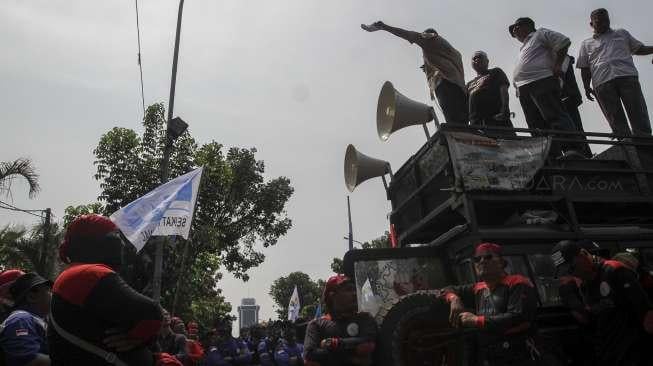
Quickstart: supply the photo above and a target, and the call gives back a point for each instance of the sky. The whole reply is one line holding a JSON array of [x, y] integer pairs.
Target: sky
[[297, 79]]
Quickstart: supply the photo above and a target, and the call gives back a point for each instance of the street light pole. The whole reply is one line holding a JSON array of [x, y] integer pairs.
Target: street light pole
[[351, 231], [165, 162]]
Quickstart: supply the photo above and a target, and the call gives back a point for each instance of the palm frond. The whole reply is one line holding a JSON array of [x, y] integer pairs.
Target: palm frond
[[21, 167]]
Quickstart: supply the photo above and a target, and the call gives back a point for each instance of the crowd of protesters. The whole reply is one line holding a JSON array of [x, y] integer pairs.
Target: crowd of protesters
[[90, 316], [543, 78]]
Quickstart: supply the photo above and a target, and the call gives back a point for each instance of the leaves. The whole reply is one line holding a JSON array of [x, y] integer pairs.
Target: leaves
[[237, 209], [18, 168], [309, 292], [72, 212], [31, 250]]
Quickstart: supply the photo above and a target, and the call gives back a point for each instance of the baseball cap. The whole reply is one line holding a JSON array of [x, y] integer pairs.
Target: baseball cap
[[7, 278], [25, 283], [333, 283], [520, 21], [564, 254]]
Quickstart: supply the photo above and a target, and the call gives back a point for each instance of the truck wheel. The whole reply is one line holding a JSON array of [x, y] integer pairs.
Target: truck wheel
[[415, 330]]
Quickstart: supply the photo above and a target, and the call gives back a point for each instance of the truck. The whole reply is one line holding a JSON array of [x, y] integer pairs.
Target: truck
[[464, 187]]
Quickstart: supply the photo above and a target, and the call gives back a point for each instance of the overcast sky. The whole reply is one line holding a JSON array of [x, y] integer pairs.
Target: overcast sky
[[296, 79]]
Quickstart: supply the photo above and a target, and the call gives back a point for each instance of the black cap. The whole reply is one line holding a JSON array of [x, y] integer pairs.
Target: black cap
[[564, 253], [25, 283], [521, 21]]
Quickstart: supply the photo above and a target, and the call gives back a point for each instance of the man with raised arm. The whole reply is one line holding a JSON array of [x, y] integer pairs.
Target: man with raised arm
[[443, 66], [606, 60]]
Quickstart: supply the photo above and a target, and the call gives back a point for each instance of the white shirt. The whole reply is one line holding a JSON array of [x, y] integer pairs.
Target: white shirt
[[609, 55], [537, 56]]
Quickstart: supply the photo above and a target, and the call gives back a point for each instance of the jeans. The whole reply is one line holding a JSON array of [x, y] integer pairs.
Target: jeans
[[543, 109], [628, 91], [572, 109], [453, 101]]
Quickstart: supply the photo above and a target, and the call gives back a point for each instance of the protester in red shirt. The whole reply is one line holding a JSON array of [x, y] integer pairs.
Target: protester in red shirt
[[503, 309], [97, 318], [343, 336]]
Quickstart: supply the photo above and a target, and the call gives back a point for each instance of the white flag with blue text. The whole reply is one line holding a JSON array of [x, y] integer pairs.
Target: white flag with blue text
[[166, 210], [293, 306]]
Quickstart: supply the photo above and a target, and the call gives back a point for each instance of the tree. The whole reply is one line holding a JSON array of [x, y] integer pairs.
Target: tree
[[29, 251], [236, 208], [338, 266], [72, 212], [309, 293], [18, 168], [381, 242]]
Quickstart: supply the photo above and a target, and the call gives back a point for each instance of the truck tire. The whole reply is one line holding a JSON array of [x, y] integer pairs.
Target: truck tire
[[415, 330]]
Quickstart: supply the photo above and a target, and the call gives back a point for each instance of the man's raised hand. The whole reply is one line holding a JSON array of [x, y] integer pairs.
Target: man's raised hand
[[376, 26]]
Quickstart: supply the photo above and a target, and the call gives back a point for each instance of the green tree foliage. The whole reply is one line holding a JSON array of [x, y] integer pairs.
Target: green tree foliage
[[381, 242], [31, 250], [72, 212], [338, 266], [22, 168], [309, 292], [237, 207]]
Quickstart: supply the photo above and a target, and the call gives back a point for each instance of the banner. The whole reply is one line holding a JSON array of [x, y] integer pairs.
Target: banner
[[293, 306], [166, 210], [483, 163]]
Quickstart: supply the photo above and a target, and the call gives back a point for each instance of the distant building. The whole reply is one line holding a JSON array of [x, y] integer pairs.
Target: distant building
[[247, 313]]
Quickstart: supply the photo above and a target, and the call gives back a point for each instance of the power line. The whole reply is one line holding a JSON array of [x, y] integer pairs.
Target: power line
[[140, 66], [7, 206]]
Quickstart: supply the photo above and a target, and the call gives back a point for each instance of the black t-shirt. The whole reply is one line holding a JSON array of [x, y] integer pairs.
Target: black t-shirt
[[620, 310], [485, 94], [324, 327]]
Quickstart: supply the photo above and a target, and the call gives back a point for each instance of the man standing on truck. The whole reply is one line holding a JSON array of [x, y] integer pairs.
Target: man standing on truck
[[488, 96], [537, 77], [342, 337], [606, 60], [443, 66], [618, 308], [504, 309]]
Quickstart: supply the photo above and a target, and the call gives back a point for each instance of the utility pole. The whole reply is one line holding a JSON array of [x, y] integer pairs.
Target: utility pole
[[46, 236], [351, 230], [46, 225], [158, 255]]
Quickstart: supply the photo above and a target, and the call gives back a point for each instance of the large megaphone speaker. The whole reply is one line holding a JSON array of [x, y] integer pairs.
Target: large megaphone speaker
[[360, 167], [395, 111]]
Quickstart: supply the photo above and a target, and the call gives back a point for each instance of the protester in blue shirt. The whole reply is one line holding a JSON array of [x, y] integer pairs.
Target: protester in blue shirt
[[288, 351], [23, 335], [265, 350], [225, 350]]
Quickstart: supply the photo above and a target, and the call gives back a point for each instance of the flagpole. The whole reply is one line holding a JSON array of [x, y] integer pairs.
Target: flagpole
[[185, 253], [165, 163]]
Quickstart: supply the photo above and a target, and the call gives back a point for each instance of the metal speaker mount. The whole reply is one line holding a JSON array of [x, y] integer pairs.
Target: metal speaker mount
[[395, 111], [360, 167]]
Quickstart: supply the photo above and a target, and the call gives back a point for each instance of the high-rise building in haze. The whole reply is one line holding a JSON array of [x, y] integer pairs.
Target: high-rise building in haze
[[247, 313]]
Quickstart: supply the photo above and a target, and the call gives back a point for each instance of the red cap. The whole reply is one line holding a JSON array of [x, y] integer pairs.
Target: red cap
[[7, 278], [85, 226], [333, 283], [488, 247]]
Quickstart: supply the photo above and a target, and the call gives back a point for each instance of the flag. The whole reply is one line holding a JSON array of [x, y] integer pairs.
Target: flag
[[293, 306], [318, 311], [393, 236], [166, 210], [368, 300]]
